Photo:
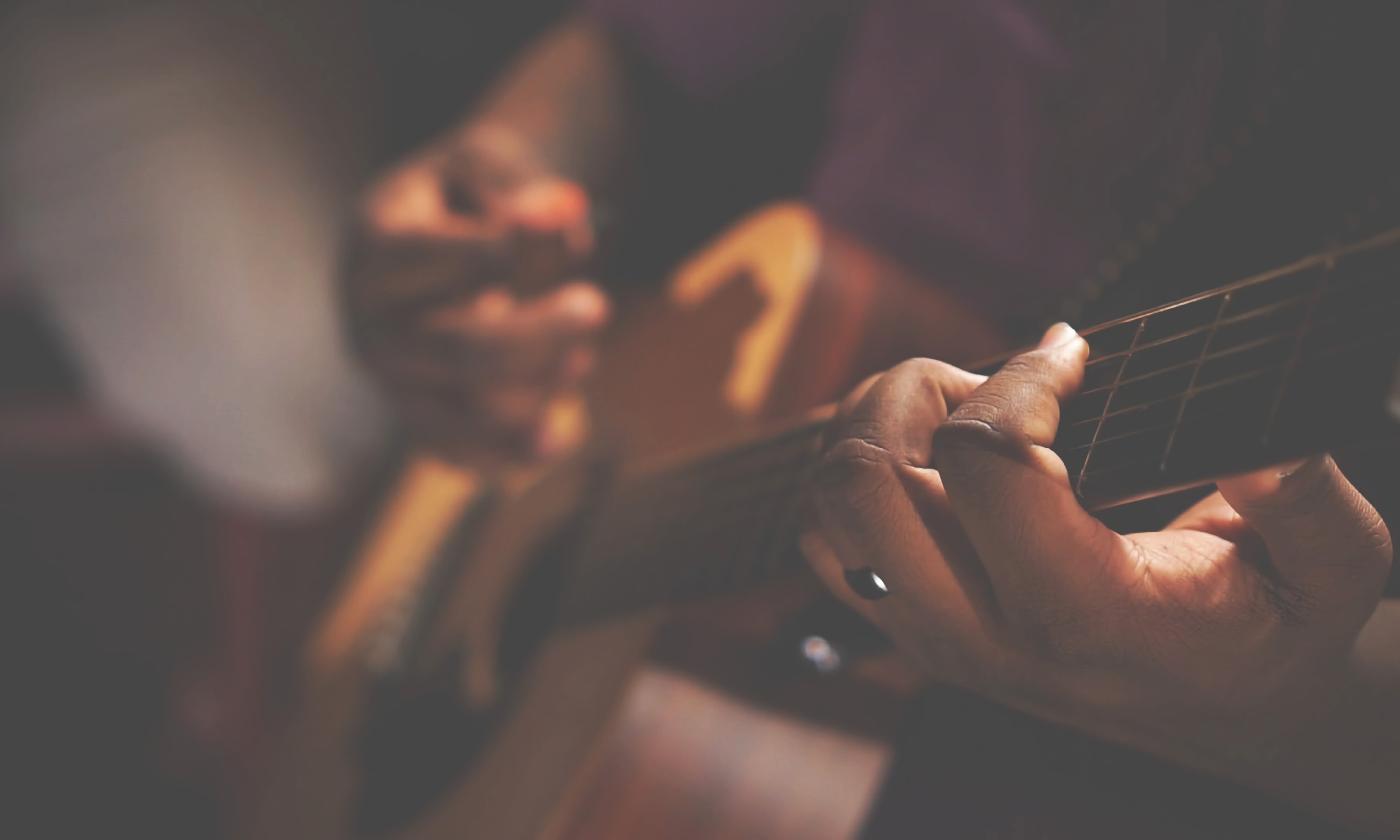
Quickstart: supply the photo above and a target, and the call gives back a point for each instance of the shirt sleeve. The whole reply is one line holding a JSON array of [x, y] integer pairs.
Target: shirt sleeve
[[708, 48]]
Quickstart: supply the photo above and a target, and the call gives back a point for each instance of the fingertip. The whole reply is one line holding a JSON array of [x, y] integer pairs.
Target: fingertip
[[1259, 485], [1064, 342], [583, 303], [1059, 333]]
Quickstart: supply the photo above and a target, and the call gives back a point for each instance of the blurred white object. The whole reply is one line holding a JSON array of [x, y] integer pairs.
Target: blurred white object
[[173, 180]]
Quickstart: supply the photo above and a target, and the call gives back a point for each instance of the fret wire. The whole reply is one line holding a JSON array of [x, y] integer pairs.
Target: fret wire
[[1320, 353], [1376, 243], [1297, 352], [714, 466], [1230, 380], [1234, 378], [1223, 354], [1194, 331], [1195, 372], [1103, 415]]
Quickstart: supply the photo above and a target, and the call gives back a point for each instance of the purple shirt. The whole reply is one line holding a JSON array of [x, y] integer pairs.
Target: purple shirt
[[998, 146]]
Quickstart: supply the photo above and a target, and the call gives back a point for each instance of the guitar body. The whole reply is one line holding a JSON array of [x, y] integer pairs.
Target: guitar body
[[592, 738]]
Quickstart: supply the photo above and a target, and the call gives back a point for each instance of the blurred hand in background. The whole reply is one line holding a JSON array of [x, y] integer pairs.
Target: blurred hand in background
[[465, 301]]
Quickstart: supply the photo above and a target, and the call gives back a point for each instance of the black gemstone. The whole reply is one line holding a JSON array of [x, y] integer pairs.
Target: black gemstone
[[865, 583]]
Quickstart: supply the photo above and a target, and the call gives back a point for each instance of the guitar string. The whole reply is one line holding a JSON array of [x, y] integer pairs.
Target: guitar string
[[710, 511], [1257, 373], [785, 490], [1111, 269], [1190, 385], [1293, 357], [803, 438], [704, 567], [693, 469], [1179, 196]]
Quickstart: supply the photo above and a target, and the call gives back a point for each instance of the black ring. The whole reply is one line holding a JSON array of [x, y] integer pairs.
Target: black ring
[[865, 583]]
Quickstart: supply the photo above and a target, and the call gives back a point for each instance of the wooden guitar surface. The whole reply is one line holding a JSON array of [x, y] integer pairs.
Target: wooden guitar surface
[[771, 318]]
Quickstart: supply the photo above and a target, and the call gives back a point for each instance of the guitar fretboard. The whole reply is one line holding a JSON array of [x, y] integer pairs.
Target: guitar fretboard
[[1283, 364], [1258, 371]]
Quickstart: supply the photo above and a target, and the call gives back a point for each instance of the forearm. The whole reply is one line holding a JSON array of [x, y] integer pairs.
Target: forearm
[[564, 109]]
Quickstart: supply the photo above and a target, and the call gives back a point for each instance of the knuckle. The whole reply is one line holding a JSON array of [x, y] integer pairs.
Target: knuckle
[[850, 462], [970, 435], [923, 378], [924, 370], [852, 477]]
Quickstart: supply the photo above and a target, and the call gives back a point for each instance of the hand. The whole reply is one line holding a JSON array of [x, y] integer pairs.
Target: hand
[[446, 291], [1213, 642]]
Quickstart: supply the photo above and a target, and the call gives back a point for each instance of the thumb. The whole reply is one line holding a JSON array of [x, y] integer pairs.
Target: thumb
[[1324, 539]]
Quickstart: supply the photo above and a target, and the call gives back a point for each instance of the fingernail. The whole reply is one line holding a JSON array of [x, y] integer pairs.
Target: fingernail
[[1058, 335]]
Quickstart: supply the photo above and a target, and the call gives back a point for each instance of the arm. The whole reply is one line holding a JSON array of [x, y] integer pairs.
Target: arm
[[565, 108]]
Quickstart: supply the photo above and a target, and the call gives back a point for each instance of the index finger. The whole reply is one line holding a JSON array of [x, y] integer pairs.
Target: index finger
[[1010, 492]]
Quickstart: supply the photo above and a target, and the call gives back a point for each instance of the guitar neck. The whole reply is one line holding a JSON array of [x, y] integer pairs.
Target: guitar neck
[[1283, 364]]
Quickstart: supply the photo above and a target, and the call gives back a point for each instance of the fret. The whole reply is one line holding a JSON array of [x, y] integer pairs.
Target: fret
[[1190, 385], [1174, 321], [1251, 357], [1294, 357], [1084, 408], [1167, 384], [1081, 465], [1255, 341], [1179, 351], [1292, 288]]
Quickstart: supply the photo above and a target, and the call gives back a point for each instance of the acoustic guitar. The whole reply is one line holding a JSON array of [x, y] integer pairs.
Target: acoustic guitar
[[483, 675]]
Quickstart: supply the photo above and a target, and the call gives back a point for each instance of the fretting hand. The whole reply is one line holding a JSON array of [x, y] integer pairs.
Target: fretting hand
[[1215, 641]]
